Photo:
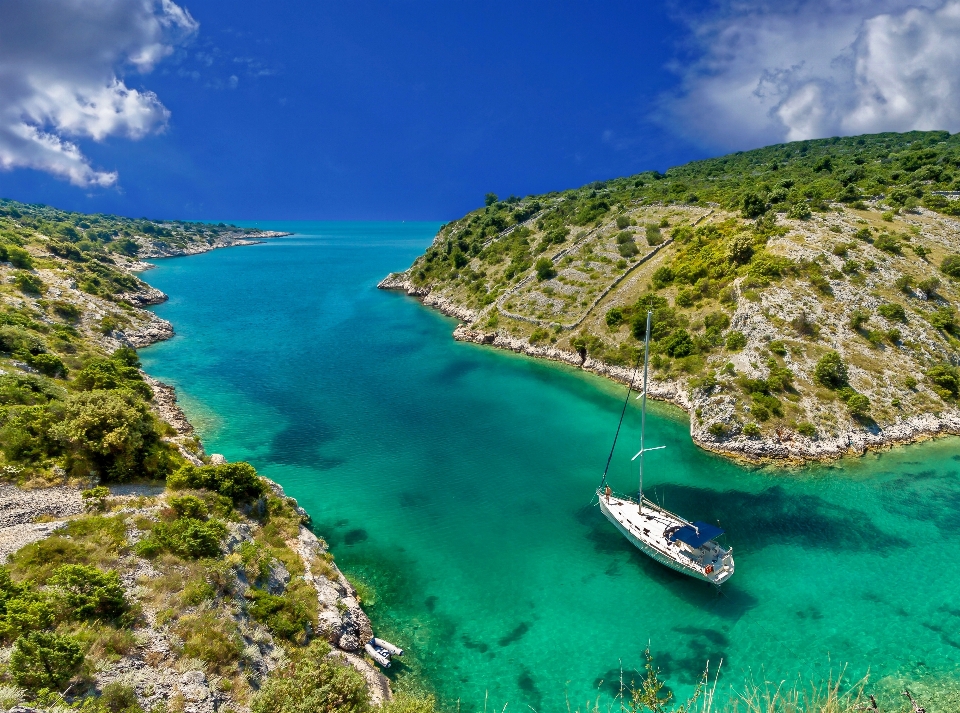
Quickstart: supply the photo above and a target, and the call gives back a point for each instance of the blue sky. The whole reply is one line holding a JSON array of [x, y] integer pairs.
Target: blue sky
[[414, 110]]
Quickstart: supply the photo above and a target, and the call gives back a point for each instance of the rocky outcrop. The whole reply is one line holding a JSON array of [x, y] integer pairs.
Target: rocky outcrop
[[154, 330], [401, 281], [144, 298]]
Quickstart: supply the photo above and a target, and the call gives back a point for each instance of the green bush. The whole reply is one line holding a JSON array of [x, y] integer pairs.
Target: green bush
[[286, 616], [89, 592], [119, 698], [893, 311], [190, 506], [778, 347], [888, 244], [45, 660], [858, 405], [48, 364], [945, 379], [831, 371], [751, 430], [736, 341], [28, 283], [211, 638], [237, 481], [662, 277], [545, 269], [951, 266], [19, 258], [623, 222], [807, 429], [614, 317], [184, 537], [313, 682]]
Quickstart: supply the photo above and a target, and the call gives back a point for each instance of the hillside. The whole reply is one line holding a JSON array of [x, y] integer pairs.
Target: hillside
[[137, 573], [804, 295]]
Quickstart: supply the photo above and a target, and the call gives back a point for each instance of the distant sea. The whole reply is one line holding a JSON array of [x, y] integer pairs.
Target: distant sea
[[457, 482]]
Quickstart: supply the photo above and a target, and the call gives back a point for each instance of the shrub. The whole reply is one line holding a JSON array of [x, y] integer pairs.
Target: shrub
[[718, 429], [45, 660], [807, 429], [623, 222], [89, 592], [654, 236], [28, 283], [858, 318], [662, 277], [189, 506], [945, 379], [286, 616], [545, 269], [678, 344], [858, 405], [778, 347], [614, 317], [929, 286], [831, 371], [893, 311], [313, 681], [804, 326], [951, 266], [751, 430], [888, 244], [799, 211], [753, 206], [628, 249], [119, 698], [736, 341], [237, 481], [184, 537], [19, 258], [48, 364], [66, 310], [211, 638]]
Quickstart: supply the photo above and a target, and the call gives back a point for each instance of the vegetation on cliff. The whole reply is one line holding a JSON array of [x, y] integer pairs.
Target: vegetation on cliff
[[764, 269]]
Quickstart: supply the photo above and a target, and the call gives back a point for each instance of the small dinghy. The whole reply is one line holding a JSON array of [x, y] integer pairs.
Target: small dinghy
[[382, 651]]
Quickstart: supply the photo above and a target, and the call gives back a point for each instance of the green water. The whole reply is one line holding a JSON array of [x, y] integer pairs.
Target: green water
[[457, 481]]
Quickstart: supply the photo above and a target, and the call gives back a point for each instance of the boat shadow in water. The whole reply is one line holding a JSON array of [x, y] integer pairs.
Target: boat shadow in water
[[773, 516], [607, 540]]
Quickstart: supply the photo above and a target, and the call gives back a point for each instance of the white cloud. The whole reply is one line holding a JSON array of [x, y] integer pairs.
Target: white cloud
[[800, 70], [61, 78]]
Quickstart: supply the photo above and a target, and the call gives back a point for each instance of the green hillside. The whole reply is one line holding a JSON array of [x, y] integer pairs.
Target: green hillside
[[801, 293]]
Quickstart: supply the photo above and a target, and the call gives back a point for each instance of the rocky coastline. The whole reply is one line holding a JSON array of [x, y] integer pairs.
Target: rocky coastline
[[784, 449]]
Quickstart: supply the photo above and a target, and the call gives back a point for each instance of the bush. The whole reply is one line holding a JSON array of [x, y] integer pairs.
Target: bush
[[19, 258], [893, 311], [189, 506], [751, 430], [311, 681], [753, 206], [678, 344], [285, 616], [858, 318], [237, 481], [211, 638], [778, 347], [545, 269], [858, 405], [945, 379], [736, 341], [48, 364], [628, 250], [28, 283], [184, 537], [654, 236], [951, 266], [118, 698], [799, 211], [662, 277], [807, 429], [623, 222], [831, 371], [614, 317], [888, 244], [89, 592], [45, 660]]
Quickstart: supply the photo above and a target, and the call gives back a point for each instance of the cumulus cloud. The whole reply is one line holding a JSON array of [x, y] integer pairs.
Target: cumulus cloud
[[765, 73], [62, 66]]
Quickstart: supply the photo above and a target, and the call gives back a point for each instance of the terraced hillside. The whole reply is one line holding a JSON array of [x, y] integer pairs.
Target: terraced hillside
[[803, 295]]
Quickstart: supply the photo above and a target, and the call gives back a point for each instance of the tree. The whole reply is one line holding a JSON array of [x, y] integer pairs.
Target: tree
[[545, 269], [753, 206], [858, 405], [44, 660], [831, 371], [951, 266], [237, 481], [490, 199]]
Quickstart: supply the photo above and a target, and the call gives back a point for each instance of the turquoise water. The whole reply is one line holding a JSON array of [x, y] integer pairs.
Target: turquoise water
[[457, 481]]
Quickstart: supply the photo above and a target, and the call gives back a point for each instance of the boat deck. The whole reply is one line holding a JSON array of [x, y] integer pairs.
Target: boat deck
[[649, 531]]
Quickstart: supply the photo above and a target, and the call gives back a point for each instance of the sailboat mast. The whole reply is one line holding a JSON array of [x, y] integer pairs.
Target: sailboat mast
[[643, 407]]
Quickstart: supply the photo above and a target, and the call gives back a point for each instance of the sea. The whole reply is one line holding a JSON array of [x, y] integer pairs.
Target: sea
[[455, 483]]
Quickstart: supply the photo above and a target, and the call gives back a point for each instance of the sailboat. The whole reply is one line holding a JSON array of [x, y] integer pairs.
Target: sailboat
[[687, 547]]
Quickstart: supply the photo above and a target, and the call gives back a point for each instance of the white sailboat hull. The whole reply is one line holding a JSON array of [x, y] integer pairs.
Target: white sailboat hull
[[648, 533]]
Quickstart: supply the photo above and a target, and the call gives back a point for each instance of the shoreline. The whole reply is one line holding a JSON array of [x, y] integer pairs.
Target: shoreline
[[790, 449], [341, 610]]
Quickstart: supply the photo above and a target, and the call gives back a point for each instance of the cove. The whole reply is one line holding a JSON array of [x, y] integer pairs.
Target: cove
[[457, 481]]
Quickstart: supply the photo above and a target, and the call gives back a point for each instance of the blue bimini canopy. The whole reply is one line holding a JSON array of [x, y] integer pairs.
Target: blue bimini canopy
[[696, 534]]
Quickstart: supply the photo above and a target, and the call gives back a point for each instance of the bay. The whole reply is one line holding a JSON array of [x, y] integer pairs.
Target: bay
[[456, 481]]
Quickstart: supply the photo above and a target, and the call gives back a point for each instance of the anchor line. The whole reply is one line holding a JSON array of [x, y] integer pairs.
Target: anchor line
[[603, 481]]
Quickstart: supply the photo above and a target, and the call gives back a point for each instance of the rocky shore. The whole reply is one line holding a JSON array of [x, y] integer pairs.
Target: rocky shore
[[150, 248], [784, 448]]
